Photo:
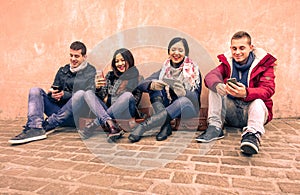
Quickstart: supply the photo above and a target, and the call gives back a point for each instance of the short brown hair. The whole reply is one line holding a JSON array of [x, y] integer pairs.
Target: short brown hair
[[241, 34], [77, 45]]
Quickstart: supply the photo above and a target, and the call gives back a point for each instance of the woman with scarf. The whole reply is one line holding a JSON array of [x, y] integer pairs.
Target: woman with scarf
[[113, 98], [174, 91]]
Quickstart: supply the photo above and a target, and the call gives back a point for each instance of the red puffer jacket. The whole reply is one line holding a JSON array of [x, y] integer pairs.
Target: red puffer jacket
[[261, 77]]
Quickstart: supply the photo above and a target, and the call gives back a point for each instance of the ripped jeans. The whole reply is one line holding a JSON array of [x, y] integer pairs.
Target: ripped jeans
[[251, 116]]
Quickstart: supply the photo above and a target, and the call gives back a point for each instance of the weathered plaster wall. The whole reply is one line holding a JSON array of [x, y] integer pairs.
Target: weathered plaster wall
[[35, 38]]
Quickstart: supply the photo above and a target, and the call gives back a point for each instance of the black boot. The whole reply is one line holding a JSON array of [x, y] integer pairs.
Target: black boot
[[154, 121], [165, 130]]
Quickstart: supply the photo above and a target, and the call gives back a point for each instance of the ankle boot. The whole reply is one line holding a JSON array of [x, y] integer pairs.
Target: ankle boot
[[114, 130], [165, 130], [154, 121]]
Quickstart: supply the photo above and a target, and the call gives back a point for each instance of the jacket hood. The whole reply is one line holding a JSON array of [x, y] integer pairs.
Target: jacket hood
[[260, 56]]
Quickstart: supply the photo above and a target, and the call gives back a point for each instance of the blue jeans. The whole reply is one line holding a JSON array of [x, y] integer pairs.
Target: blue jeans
[[182, 107], [68, 114], [123, 108], [38, 104]]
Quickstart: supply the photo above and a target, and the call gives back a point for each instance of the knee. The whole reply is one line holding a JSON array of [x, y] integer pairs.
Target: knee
[[78, 95], [35, 91], [127, 95], [88, 93], [184, 101], [258, 102]]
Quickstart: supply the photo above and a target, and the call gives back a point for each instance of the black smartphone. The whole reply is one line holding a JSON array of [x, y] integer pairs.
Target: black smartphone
[[55, 87], [232, 80]]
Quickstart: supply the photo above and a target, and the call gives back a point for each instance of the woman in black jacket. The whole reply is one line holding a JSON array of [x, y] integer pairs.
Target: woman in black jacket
[[113, 98]]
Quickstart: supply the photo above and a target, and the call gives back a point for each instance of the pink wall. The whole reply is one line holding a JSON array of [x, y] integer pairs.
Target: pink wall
[[35, 39]]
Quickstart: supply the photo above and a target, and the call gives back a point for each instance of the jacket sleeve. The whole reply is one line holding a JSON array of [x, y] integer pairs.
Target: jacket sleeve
[[264, 87], [215, 76], [144, 85], [89, 78], [59, 81]]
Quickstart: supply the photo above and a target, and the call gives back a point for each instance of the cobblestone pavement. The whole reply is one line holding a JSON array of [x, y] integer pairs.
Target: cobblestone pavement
[[64, 164]]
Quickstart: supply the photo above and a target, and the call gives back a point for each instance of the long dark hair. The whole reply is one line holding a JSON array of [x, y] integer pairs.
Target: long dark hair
[[126, 54]]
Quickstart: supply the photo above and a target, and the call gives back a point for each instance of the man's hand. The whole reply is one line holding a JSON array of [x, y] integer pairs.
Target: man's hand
[[221, 89], [236, 90], [55, 94]]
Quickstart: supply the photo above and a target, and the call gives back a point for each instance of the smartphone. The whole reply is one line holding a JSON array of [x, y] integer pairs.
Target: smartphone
[[55, 87], [232, 80]]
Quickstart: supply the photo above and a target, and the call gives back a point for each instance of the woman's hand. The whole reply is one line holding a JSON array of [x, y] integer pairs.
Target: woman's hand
[[157, 85], [100, 82]]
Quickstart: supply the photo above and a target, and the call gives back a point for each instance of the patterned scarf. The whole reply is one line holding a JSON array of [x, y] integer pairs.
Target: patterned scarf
[[187, 73]]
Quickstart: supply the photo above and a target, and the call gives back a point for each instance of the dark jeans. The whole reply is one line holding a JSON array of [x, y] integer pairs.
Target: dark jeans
[[181, 107]]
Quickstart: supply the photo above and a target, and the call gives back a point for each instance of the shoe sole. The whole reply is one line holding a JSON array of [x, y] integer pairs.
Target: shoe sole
[[50, 131], [164, 138], [28, 139], [248, 148], [114, 137], [207, 141]]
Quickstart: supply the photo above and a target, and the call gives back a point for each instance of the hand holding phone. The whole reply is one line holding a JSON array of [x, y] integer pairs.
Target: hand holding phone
[[232, 80], [56, 88]]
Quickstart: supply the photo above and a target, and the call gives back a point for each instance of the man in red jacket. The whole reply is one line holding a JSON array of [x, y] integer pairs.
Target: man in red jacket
[[240, 91]]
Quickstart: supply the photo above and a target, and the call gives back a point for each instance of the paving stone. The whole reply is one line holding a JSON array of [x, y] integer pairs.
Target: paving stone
[[93, 191], [289, 187], [99, 180], [111, 170], [264, 172], [182, 177], [158, 174], [56, 188], [253, 183], [139, 185], [293, 175], [231, 170], [216, 180], [276, 164], [205, 159], [236, 161], [175, 189], [206, 168], [90, 167], [22, 184]]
